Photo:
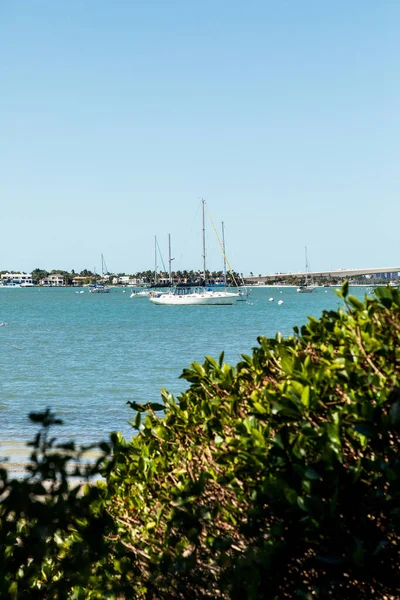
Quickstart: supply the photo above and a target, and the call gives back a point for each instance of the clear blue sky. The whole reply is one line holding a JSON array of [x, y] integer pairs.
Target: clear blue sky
[[116, 117]]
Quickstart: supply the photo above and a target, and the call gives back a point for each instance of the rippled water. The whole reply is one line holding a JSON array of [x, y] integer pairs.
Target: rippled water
[[85, 355]]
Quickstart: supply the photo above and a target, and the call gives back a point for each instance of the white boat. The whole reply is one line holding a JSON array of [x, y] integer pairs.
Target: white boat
[[100, 288], [140, 294], [307, 288], [189, 296]]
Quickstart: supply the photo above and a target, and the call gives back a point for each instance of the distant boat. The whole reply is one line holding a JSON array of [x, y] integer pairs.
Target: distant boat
[[189, 296], [307, 288], [140, 294], [100, 288]]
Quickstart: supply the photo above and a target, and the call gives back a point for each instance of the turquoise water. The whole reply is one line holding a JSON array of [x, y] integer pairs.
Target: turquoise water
[[85, 355]]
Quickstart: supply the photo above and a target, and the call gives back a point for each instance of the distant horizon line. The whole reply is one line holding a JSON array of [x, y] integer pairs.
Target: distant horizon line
[[250, 276]]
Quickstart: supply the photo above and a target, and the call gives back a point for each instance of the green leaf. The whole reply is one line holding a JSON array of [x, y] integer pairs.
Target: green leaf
[[355, 302], [305, 396]]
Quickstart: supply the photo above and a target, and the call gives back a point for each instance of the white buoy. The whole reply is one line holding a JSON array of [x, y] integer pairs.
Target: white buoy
[[271, 299], [280, 302]]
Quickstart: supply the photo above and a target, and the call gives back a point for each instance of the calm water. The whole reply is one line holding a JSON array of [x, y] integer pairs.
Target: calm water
[[85, 355]]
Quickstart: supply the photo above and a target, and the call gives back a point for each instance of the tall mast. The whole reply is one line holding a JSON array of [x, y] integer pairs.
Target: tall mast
[[204, 245], [307, 268], [102, 268], [170, 259], [155, 260], [223, 248]]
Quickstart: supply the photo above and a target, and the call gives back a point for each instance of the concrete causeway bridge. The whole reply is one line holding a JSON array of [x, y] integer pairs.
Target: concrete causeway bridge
[[384, 273]]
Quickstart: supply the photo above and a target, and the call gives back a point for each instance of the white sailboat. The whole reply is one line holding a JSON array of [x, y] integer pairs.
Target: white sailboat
[[100, 288], [307, 288], [186, 296]]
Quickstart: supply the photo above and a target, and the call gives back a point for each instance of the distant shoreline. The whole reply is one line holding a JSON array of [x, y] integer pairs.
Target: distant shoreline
[[249, 285]]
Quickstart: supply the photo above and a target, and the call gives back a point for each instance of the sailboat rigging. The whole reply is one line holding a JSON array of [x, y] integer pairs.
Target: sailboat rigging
[[147, 292], [307, 288], [201, 295], [100, 288], [223, 248], [242, 289]]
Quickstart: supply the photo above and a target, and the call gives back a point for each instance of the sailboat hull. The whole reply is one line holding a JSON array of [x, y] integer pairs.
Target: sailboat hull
[[99, 289], [206, 297]]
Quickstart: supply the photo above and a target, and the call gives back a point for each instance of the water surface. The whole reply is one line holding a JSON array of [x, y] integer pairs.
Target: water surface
[[85, 355]]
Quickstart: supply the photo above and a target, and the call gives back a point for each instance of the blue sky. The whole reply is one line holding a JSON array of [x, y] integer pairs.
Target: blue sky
[[116, 118]]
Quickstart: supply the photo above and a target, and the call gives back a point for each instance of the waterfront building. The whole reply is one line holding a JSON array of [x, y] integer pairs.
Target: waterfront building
[[77, 281], [127, 280], [17, 278], [53, 280]]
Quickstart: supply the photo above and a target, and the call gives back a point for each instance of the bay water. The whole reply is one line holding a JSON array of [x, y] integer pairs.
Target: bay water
[[86, 355]]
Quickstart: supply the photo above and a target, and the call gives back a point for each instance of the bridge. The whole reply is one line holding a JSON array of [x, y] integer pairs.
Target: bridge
[[335, 274]]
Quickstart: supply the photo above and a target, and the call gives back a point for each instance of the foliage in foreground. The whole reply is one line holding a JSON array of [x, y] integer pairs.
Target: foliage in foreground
[[279, 478]]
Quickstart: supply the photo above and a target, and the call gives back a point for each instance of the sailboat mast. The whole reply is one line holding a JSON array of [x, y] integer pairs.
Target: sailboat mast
[[307, 267], [155, 260], [102, 266], [223, 248], [204, 245], [169, 259]]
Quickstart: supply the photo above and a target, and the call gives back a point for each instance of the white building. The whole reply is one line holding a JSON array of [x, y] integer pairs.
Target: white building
[[17, 278], [53, 280], [127, 280]]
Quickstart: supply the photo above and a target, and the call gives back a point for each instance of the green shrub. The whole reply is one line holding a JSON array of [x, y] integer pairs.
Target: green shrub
[[279, 478], [53, 537]]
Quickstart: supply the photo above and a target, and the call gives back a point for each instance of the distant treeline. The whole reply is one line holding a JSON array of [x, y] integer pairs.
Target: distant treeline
[[143, 277]]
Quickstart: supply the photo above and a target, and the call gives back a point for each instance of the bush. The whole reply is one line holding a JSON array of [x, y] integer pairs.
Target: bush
[[275, 479]]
